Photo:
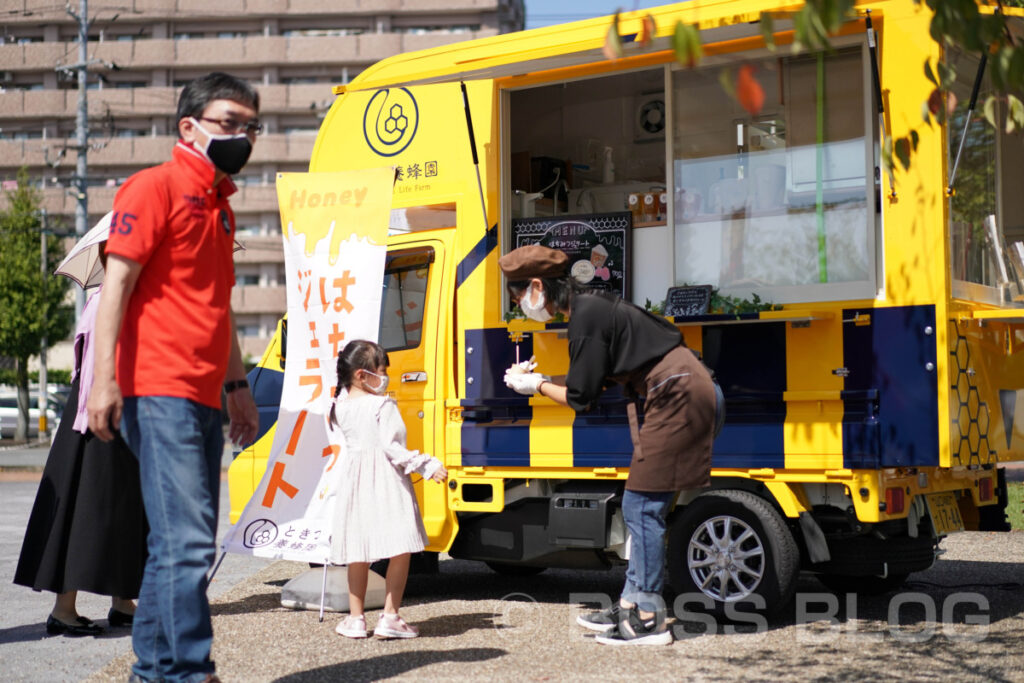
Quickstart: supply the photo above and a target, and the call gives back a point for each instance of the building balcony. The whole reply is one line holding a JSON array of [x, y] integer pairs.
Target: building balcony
[[143, 102], [143, 151], [249, 200], [256, 299], [227, 53], [162, 10], [259, 249]]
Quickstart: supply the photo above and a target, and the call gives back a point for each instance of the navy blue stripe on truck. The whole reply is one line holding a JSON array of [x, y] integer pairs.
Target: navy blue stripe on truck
[[495, 419], [894, 356], [476, 255], [266, 385], [749, 362]]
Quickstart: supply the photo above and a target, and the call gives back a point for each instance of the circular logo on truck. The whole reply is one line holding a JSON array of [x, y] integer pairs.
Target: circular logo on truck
[[390, 121]]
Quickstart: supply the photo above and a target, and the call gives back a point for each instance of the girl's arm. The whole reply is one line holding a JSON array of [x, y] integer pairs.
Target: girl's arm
[[392, 436]]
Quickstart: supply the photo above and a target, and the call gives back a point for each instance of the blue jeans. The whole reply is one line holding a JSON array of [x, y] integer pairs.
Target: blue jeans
[[178, 443], [644, 513]]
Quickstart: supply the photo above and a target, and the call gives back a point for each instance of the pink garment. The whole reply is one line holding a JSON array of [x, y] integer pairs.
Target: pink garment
[[83, 359]]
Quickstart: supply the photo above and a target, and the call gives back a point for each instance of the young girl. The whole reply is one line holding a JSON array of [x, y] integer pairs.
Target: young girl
[[376, 515]]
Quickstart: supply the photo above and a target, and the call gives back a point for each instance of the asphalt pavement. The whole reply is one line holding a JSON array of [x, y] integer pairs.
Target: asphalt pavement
[[27, 653], [962, 619]]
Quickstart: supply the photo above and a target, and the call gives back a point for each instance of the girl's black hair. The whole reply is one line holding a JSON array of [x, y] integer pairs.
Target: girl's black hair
[[359, 354], [558, 290]]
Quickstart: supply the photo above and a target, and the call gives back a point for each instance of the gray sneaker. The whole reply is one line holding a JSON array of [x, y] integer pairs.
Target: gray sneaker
[[633, 630], [603, 621]]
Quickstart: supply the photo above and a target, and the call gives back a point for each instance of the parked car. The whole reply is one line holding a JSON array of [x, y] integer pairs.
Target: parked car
[[9, 412]]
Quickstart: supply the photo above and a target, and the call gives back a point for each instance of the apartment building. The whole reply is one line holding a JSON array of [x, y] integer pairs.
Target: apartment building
[[142, 51]]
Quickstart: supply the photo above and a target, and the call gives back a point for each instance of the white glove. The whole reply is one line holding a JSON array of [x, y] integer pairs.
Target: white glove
[[526, 383], [522, 367]]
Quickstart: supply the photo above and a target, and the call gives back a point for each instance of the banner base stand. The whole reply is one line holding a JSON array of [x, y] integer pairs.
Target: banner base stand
[[305, 590]]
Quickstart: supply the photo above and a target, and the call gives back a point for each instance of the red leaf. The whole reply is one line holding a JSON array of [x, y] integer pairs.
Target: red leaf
[[647, 30], [748, 91]]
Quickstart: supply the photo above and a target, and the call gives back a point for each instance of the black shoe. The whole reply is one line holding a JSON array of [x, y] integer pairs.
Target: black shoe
[[603, 621], [117, 618], [632, 630], [84, 627]]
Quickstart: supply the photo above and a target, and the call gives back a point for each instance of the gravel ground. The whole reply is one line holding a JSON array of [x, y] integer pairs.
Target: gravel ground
[[476, 625]]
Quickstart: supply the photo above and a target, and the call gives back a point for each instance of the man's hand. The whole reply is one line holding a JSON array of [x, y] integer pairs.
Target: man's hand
[[104, 408], [244, 416]]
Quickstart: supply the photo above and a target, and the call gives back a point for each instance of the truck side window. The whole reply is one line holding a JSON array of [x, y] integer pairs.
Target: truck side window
[[403, 301]]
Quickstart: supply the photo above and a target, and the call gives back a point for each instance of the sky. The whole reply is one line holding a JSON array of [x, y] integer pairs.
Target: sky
[[545, 12]]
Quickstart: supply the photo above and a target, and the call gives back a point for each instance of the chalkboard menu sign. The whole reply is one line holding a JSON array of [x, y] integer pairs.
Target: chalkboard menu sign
[[681, 302], [598, 245]]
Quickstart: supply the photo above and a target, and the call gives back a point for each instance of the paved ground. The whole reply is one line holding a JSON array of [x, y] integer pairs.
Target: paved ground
[[26, 652], [963, 619]]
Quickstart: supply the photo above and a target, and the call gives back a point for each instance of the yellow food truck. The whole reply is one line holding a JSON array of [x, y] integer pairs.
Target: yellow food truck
[[868, 336]]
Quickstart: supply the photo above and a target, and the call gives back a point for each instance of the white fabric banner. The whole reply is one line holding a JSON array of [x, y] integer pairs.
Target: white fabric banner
[[335, 242]]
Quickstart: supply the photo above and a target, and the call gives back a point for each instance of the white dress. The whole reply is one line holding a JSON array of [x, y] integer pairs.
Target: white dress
[[376, 515]]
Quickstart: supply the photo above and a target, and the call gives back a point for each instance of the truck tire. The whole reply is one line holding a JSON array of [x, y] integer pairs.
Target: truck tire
[[862, 585], [731, 546]]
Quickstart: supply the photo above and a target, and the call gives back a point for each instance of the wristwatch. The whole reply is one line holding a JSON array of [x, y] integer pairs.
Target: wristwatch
[[236, 384]]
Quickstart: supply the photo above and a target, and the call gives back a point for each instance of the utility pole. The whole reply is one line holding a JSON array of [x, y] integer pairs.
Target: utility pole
[[43, 393], [81, 134]]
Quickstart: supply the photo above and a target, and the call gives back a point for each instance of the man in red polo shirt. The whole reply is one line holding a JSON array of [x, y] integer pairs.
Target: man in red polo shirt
[[165, 344]]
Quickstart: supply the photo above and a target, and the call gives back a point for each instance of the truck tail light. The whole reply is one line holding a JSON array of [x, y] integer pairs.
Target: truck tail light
[[895, 502], [985, 489]]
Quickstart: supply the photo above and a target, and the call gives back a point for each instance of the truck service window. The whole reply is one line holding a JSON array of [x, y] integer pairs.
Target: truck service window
[[988, 177], [777, 204]]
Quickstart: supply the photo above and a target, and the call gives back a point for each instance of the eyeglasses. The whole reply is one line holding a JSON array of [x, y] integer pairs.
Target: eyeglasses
[[232, 127]]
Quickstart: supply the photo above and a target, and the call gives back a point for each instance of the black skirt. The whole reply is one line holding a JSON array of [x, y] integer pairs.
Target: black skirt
[[87, 531]]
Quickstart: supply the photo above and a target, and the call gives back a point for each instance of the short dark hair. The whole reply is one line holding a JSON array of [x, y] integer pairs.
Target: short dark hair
[[198, 93]]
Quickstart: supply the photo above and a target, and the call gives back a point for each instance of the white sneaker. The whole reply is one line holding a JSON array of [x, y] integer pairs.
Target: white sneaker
[[352, 627], [393, 626]]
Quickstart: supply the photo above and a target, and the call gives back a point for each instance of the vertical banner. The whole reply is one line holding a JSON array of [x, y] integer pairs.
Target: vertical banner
[[335, 229]]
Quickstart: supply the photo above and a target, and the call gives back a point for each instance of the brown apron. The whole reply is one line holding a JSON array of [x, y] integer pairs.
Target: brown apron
[[672, 450]]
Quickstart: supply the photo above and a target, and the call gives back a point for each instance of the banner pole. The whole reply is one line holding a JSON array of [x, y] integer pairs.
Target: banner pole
[[216, 566], [323, 590]]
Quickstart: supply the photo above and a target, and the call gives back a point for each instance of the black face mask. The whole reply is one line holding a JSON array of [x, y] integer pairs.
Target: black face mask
[[227, 152]]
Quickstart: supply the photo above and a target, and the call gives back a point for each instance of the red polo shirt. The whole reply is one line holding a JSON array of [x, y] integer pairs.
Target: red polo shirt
[[176, 335]]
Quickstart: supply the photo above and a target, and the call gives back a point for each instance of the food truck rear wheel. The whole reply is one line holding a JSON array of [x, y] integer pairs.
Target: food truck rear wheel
[[733, 547], [862, 585]]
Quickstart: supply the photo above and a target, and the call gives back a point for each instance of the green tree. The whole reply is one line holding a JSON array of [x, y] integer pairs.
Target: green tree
[[32, 305]]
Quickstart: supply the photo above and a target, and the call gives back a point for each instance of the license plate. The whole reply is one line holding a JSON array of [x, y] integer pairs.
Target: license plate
[[945, 513]]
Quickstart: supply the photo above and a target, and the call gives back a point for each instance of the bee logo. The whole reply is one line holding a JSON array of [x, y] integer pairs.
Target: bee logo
[[390, 121]]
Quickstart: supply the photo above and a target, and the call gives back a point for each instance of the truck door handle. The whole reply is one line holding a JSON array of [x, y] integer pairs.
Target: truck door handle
[[414, 377]]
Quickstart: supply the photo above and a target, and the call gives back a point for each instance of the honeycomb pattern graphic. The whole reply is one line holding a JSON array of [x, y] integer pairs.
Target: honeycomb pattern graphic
[[969, 440], [396, 120]]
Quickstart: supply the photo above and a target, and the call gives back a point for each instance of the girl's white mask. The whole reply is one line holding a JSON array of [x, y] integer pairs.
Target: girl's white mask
[[535, 311], [382, 387]]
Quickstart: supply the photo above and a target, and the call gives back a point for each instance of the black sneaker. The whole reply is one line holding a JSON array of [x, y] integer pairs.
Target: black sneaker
[[632, 630], [603, 621]]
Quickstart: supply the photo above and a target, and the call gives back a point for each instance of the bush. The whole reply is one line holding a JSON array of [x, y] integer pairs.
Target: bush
[[7, 376]]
